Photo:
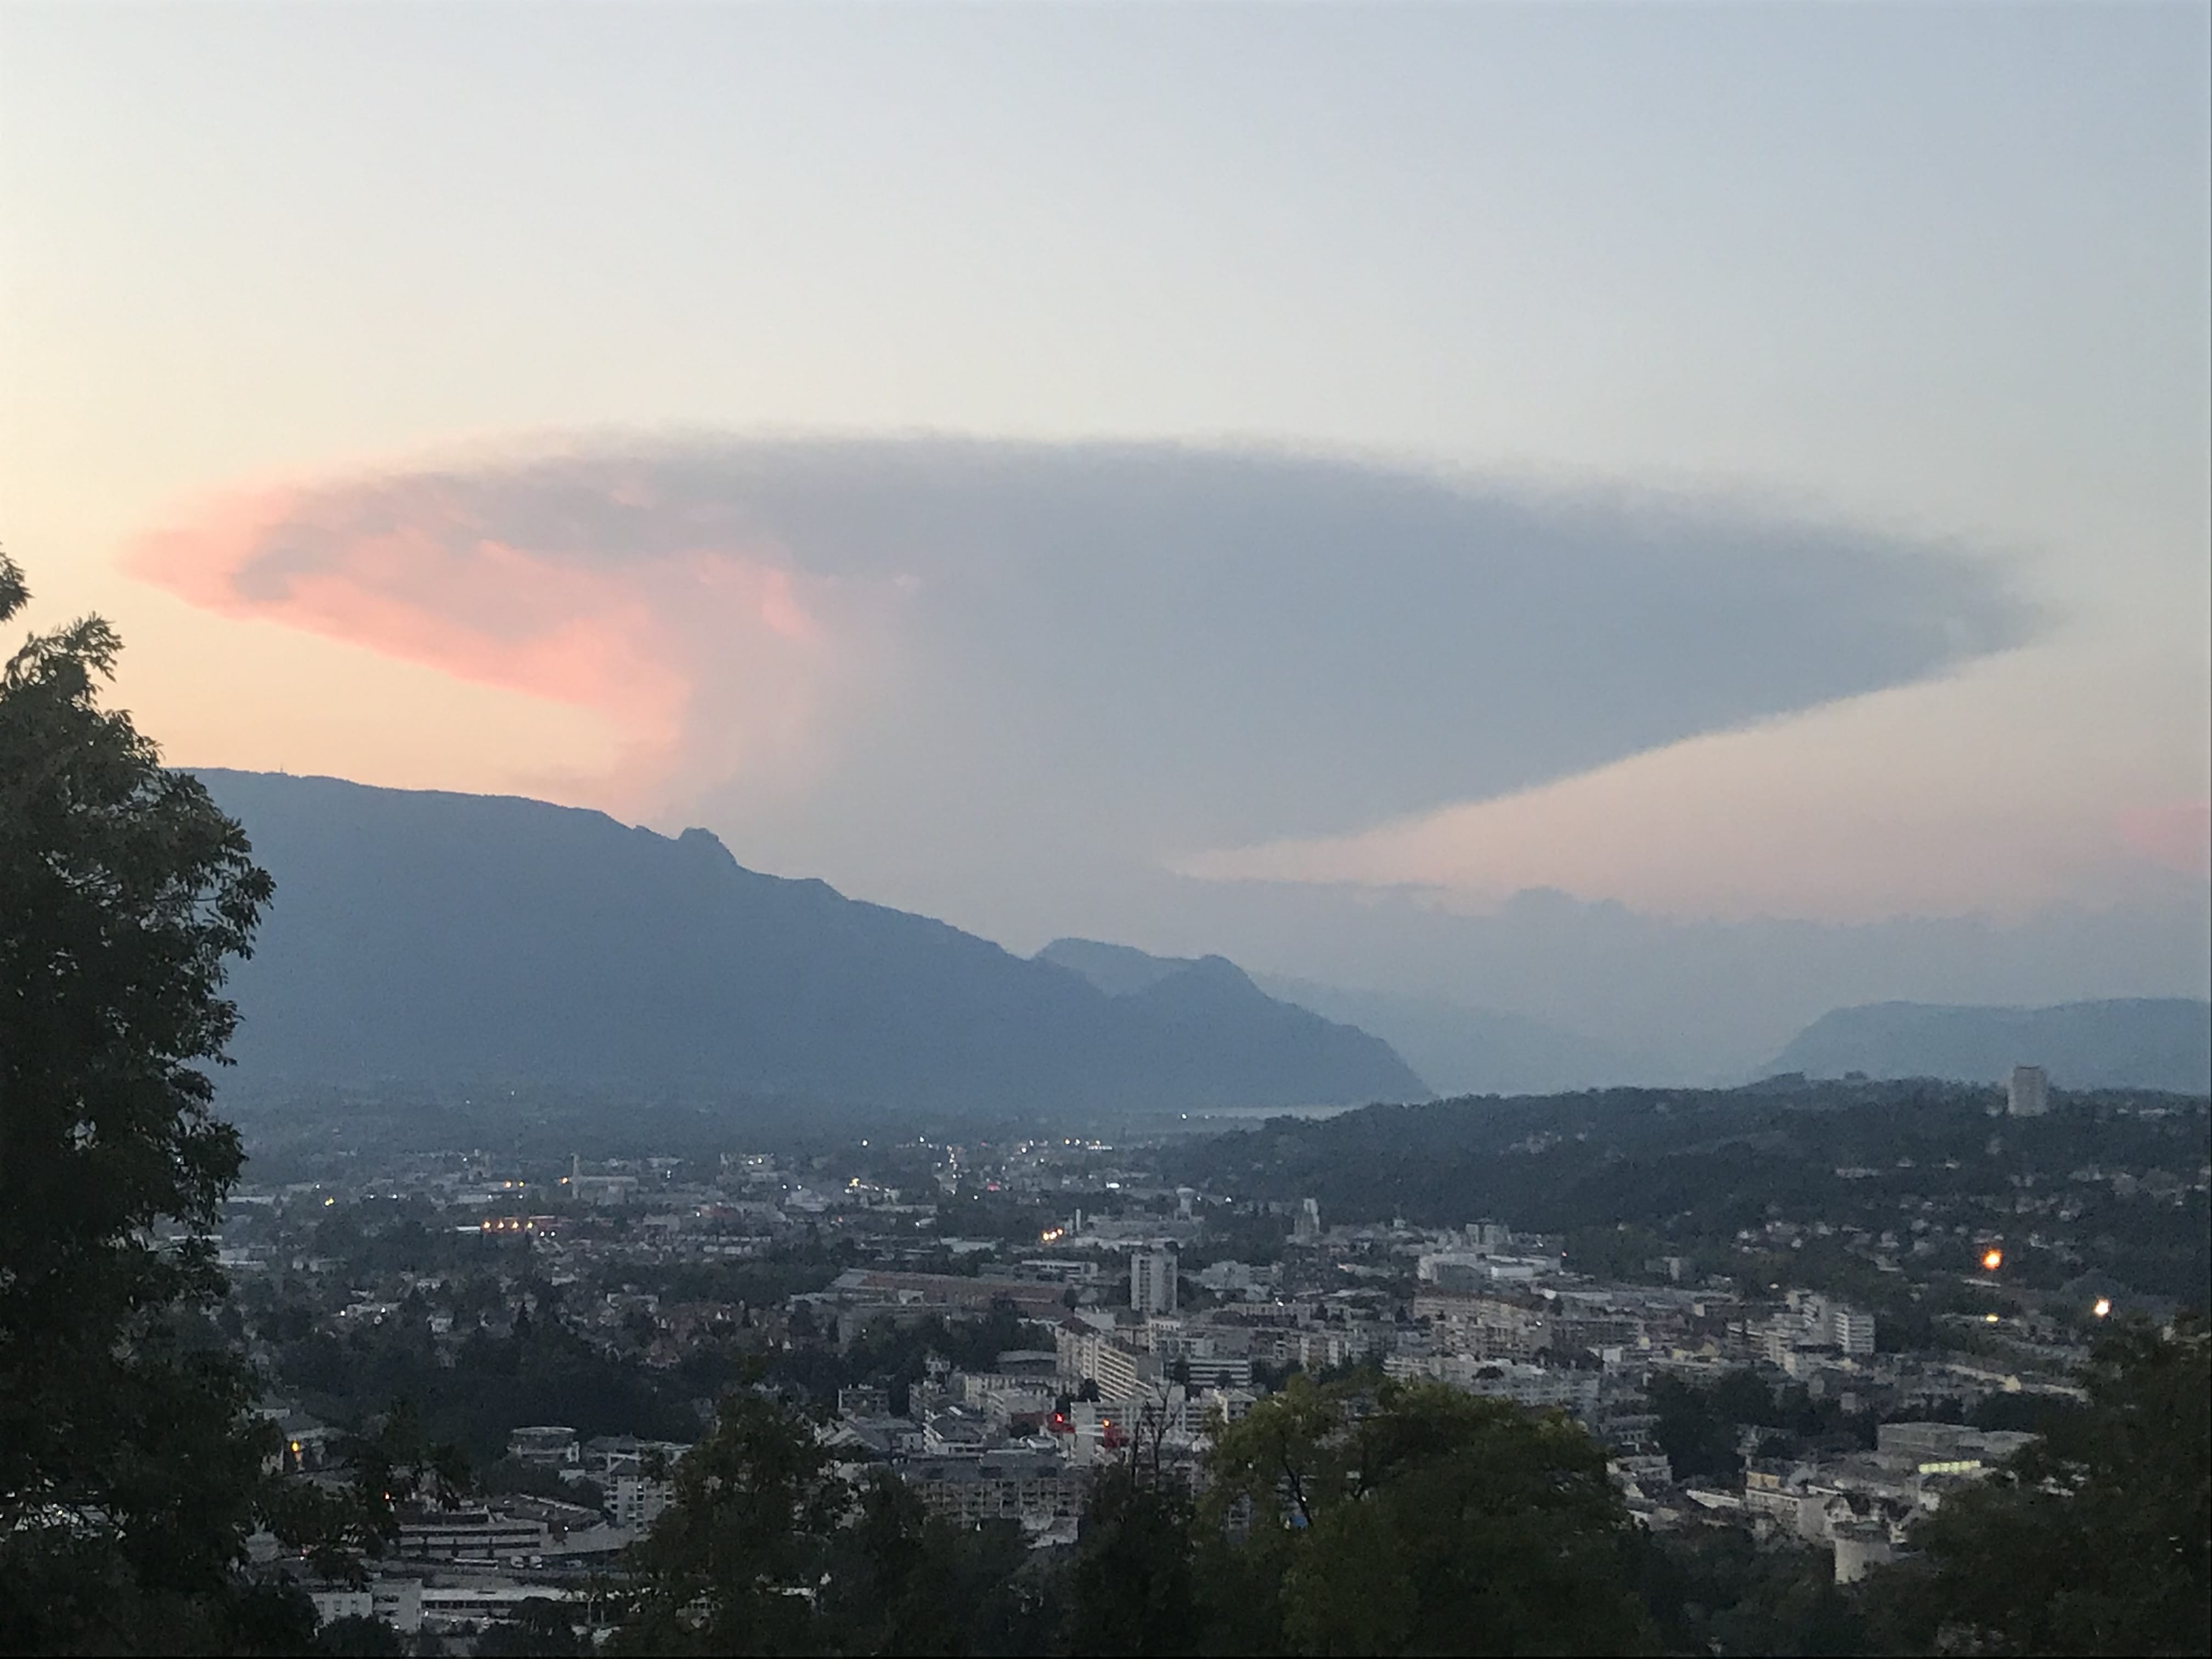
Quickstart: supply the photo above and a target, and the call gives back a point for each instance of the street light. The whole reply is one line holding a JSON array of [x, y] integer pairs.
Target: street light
[[1992, 1259], [2103, 1308]]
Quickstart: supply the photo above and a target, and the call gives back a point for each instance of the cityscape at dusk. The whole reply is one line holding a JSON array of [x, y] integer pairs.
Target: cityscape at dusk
[[1291, 828]]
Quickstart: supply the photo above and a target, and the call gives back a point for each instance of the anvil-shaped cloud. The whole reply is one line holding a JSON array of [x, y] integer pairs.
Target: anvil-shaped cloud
[[1147, 649]]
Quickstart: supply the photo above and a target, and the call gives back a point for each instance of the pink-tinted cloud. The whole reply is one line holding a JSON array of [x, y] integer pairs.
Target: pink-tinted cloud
[[2177, 834], [638, 640], [1130, 649]]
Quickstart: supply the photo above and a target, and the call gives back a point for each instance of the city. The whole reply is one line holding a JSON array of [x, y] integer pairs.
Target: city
[[994, 1319]]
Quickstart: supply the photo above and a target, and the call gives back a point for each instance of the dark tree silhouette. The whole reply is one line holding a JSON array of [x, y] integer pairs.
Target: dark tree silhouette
[[2097, 1539], [127, 1474]]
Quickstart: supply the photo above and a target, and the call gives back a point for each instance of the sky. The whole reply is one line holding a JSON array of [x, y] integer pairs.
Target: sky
[[1132, 469]]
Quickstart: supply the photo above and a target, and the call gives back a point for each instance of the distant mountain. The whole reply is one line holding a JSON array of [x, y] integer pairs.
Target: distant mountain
[[440, 938], [1119, 970], [2138, 1044], [1180, 989], [1457, 1050], [1463, 1050]]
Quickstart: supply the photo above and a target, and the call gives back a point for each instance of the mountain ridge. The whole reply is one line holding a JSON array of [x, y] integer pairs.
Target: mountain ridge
[[426, 936], [2144, 1042], [1456, 1049]]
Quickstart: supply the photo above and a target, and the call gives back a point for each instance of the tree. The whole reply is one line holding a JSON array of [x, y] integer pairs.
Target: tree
[[1717, 1589], [356, 1638], [512, 1474], [398, 1463], [1264, 1492], [1131, 1588], [1694, 1430], [395, 1465], [2097, 1539], [903, 1581], [1413, 1518], [737, 1560], [540, 1628], [128, 1473]]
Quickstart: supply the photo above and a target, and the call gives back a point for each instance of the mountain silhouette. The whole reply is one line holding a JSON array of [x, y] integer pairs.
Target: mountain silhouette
[[2146, 1042], [443, 940], [1457, 1049]]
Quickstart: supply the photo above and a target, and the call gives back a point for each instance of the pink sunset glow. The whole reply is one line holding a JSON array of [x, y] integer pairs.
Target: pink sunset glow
[[636, 643]]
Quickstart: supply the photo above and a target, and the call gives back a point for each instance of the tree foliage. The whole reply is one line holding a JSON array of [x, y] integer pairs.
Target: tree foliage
[[356, 1638], [2096, 1539], [128, 1474], [540, 1628], [1413, 1518], [738, 1561], [1366, 1516], [1132, 1587], [1717, 1589], [767, 1547], [903, 1581]]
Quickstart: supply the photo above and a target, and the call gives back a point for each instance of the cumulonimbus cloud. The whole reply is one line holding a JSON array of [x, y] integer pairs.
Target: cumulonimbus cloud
[[1144, 646]]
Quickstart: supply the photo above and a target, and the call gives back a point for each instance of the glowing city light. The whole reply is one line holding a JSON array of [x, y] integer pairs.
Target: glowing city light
[[2104, 1308], [1992, 1260]]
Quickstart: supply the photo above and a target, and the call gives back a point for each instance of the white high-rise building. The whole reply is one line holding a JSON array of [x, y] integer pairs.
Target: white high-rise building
[[2028, 1093], [1853, 1329], [1153, 1281], [1306, 1228]]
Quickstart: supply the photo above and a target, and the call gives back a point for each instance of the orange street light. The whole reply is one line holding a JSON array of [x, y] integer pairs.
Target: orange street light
[[1992, 1260], [2104, 1308]]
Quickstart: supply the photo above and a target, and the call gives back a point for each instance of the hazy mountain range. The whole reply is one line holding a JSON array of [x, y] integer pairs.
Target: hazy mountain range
[[2147, 1042], [447, 939], [1457, 1049], [2127, 1042], [444, 939]]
